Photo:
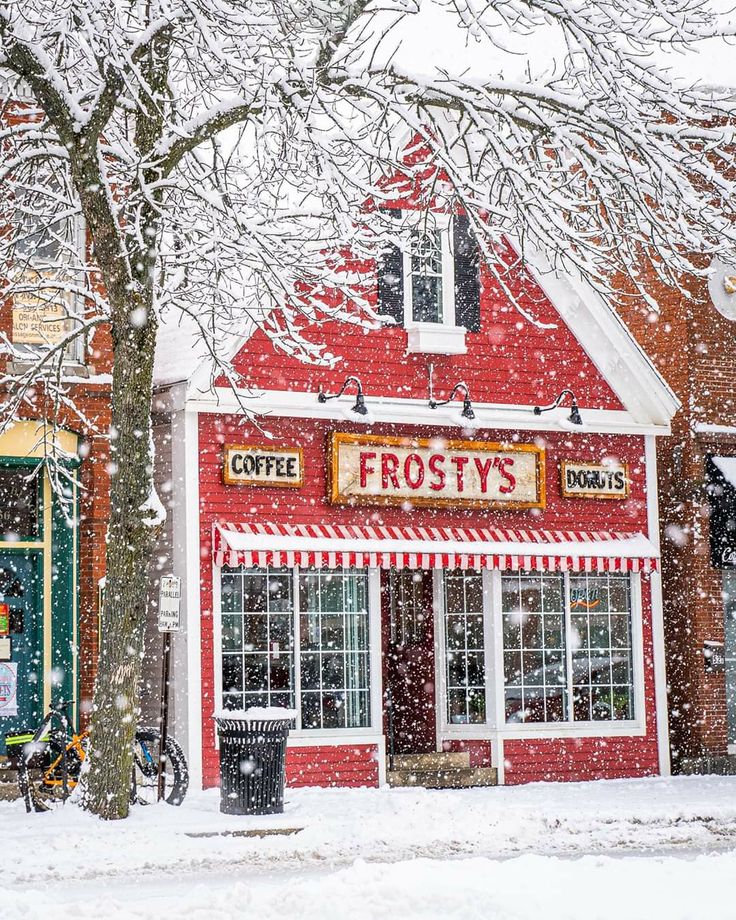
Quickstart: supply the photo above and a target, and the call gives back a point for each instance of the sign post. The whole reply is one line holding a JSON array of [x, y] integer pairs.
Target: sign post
[[169, 601]]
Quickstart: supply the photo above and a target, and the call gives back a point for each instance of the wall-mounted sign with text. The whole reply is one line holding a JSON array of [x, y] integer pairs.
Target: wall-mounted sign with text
[[594, 480], [42, 317], [256, 465], [366, 469]]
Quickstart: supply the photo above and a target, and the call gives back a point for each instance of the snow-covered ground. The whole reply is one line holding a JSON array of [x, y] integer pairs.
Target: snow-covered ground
[[628, 848]]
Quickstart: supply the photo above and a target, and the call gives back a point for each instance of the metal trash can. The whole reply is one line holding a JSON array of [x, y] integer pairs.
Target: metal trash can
[[252, 763]]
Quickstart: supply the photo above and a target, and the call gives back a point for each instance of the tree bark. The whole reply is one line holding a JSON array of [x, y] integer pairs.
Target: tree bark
[[131, 537]]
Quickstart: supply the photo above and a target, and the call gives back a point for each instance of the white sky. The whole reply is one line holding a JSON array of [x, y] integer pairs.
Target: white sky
[[432, 38]]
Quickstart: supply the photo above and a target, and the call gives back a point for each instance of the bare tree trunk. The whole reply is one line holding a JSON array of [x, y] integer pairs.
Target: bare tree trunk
[[130, 540]]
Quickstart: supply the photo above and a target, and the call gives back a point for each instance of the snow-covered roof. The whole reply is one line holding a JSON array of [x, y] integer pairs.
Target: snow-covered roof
[[727, 468], [180, 350]]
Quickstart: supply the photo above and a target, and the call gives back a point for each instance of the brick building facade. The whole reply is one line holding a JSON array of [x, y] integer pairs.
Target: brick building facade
[[692, 345], [52, 552]]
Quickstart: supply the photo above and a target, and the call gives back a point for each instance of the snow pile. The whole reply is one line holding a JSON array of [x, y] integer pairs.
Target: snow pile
[[257, 714], [366, 853]]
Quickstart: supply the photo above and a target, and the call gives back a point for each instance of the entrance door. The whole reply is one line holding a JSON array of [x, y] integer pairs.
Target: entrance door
[[408, 642], [21, 677]]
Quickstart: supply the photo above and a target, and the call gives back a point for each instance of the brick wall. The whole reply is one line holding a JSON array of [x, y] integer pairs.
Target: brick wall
[[90, 419], [692, 346]]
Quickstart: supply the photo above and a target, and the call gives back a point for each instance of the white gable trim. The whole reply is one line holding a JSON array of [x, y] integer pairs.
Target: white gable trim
[[607, 341]]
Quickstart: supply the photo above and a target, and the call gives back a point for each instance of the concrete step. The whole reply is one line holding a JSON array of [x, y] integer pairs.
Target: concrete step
[[445, 760], [458, 778]]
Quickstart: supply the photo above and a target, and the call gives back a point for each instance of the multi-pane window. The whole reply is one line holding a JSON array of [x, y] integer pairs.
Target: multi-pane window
[[260, 608], [554, 655], [729, 609], [533, 613], [465, 648], [257, 638], [600, 620], [426, 279], [333, 629], [48, 247]]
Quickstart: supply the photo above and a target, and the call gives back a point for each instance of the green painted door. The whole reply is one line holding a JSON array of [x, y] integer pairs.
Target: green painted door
[[21, 677]]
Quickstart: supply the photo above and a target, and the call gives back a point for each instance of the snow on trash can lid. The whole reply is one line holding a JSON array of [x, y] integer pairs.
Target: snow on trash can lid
[[257, 714]]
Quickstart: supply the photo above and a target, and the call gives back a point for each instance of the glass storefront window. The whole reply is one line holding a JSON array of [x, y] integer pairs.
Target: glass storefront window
[[259, 623], [538, 685], [19, 501], [335, 673], [600, 618], [533, 610], [729, 605], [257, 638], [465, 648]]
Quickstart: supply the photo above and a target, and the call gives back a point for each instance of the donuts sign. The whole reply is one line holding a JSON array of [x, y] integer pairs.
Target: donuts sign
[[366, 469]]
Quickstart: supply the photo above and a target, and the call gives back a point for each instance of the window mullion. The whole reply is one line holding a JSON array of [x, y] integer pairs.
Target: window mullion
[[448, 278], [297, 649], [568, 649], [408, 292]]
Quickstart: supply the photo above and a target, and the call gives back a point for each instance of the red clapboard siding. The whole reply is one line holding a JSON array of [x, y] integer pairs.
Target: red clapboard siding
[[309, 504], [338, 765], [579, 759], [511, 360], [479, 751]]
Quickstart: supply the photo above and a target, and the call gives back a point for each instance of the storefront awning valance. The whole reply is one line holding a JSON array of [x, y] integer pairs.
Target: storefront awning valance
[[333, 546]]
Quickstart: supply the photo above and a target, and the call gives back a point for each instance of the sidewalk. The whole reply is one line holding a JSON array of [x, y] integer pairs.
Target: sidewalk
[[339, 826]]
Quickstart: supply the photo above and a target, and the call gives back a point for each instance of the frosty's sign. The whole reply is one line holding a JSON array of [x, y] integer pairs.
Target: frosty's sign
[[375, 470]]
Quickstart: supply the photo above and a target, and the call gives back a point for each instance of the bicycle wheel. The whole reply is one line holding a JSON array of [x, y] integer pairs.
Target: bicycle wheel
[[51, 776], [144, 782]]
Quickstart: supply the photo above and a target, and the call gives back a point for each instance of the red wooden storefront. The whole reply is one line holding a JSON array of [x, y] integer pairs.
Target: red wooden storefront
[[516, 617]]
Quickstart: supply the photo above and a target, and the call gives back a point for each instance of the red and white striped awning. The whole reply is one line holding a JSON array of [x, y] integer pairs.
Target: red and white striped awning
[[335, 546]]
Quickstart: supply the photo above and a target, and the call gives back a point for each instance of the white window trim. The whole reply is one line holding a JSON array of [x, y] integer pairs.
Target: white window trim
[[496, 729], [300, 737], [442, 223]]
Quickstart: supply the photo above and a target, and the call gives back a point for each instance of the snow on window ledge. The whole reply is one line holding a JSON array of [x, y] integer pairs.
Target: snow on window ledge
[[68, 368], [436, 339]]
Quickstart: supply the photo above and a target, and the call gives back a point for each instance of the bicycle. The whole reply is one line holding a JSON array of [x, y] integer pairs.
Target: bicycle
[[57, 752]]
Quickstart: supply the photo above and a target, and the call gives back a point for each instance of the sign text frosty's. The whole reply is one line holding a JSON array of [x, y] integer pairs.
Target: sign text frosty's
[[366, 469]]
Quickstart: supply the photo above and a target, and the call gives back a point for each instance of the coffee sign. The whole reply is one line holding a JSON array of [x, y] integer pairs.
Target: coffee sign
[[435, 472], [256, 465], [594, 480]]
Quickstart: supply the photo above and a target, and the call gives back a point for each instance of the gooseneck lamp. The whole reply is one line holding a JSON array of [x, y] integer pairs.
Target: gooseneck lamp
[[467, 405], [574, 415], [359, 408]]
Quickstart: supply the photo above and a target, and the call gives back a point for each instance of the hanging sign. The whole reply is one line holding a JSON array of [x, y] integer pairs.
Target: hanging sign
[[714, 656], [169, 602], [366, 469], [256, 465], [8, 688], [594, 480]]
